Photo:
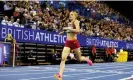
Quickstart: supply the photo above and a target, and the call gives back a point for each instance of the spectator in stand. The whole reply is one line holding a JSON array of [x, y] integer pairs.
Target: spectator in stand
[[16, 13], [93, 53], [10, 23], [8, 9], [5, 20], [31, 58], [108, 54], [16, 24], [103, 9], [53, 56], [113, 53], [50, 19]]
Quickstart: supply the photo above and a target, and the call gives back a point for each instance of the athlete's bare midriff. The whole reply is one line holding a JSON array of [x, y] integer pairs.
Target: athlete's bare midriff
[[71, 36]]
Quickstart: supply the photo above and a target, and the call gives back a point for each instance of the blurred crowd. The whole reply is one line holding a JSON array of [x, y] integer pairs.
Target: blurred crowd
[[99, 7], [38, 16], [33, 15], [109, 27]]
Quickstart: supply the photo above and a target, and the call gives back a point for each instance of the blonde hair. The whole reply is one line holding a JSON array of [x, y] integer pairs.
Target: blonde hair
[[75, 13]]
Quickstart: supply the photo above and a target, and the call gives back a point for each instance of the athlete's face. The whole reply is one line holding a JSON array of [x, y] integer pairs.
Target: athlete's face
[[72, 16]]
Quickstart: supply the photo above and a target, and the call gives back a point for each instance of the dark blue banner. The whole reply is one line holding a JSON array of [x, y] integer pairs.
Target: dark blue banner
[[45, 37], [30, 35]]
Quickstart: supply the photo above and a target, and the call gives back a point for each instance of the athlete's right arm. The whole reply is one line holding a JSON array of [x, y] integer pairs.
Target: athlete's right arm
[[65, 30], [77, 30], [61, 32]]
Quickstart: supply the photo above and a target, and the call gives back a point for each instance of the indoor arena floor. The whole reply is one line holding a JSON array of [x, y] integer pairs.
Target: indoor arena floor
[[99, 71]]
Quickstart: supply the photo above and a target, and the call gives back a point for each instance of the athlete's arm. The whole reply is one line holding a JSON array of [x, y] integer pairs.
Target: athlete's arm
[[77, 30], [61, 32], [65, 30]]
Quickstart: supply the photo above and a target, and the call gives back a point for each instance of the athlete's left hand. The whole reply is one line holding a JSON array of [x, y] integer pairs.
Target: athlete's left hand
[[61, 33], [66, 28]]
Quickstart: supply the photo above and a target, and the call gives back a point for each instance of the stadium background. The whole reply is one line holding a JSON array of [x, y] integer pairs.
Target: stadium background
[[102, 26]]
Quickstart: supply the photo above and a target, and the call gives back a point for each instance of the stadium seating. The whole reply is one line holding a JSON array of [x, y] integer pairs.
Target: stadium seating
[[49, 16]]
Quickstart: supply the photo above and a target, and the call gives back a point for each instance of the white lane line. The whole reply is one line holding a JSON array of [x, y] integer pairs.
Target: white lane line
[[100, 76], [73, 65], [69, 70], [105, 76], [52, 76], [102, 68]]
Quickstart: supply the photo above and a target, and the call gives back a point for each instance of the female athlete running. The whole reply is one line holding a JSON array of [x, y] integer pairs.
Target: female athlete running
[[71, 43]]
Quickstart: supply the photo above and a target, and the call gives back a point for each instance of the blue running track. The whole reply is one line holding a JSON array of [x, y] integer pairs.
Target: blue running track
[[99, 71]]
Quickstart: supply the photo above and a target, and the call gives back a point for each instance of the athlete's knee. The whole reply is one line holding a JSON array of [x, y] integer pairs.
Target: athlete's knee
[[63, 59]]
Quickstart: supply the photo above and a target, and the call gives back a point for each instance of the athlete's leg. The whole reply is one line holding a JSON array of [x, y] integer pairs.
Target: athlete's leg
[[79, 57], [82, 58], [65, 54]]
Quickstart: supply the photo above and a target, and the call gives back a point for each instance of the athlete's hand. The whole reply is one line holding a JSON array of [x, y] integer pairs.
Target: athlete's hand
[[65, 28], [61, 32]]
